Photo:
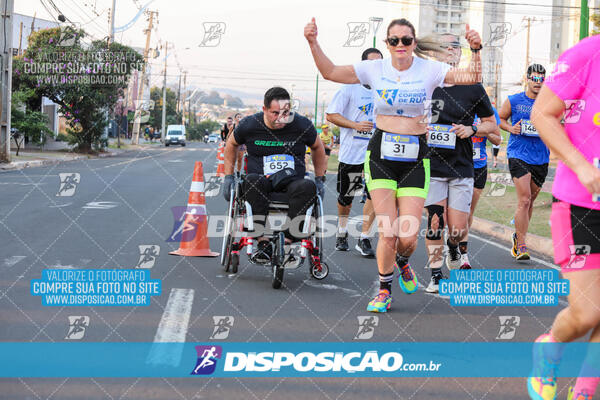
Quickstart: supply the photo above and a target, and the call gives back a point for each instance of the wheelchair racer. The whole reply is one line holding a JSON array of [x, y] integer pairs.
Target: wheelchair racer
[[276, 140]]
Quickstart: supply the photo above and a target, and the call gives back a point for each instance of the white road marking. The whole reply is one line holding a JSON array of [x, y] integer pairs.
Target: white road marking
[[61, 205], [351, 292], [59, 266], [10, 261], [24, 184], [100, 205], [538, 260], [172, 328]]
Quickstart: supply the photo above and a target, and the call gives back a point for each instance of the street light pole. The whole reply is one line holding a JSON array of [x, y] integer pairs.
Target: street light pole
[[111, 36], [375, 22], [316, 100], [584, 20], [164, 101]]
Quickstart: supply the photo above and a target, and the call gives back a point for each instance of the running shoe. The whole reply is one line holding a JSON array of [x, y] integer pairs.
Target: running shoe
[[364, 247], [465, 262], [515, 245], [541, 383], [522, 253], [407, 279], [341, 243], [453, 260], [583, 395], [434, 284], [381, 303], [264, 252]]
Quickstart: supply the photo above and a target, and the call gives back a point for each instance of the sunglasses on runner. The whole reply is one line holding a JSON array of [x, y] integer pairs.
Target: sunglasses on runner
[[454, 45], [406, 40], [537, 79]]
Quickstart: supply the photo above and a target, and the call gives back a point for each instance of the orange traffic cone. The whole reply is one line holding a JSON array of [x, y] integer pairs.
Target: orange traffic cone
[[221, 164], [196, 246]]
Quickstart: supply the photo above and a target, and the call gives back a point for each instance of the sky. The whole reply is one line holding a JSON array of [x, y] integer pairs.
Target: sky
[[263, 43]]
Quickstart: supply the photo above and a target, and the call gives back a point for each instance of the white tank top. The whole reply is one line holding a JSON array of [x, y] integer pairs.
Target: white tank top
[[402, 93]]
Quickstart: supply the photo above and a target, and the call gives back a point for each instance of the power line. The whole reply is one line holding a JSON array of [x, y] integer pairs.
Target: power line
[[505, 3]]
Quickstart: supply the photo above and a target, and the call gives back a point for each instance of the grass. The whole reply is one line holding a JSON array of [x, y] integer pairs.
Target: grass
[[501, 210], [332, 164]]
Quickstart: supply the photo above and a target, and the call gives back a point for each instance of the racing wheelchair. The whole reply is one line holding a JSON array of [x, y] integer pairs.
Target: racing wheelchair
[[238, 234]]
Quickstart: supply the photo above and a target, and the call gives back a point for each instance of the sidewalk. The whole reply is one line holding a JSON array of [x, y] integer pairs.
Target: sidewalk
[[54, 152]]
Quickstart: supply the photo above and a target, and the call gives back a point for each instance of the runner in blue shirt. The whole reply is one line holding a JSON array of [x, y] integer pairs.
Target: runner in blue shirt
[[527, 155]]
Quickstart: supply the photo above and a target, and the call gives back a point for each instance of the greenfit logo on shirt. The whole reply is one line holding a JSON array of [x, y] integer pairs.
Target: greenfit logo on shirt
[[272, 143]]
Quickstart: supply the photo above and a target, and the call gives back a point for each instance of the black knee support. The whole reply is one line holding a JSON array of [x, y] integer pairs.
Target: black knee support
[[435, 209]]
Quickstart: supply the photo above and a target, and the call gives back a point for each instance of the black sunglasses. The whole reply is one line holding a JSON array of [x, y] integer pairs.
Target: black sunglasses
[[454, 45], [406, 40]]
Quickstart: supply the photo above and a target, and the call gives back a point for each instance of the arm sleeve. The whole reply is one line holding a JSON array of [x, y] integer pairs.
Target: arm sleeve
[[339, 102], [571, 72], [483, 107], [366, 70]]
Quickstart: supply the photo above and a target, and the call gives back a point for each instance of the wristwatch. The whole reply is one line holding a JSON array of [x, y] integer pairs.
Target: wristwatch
[[477, 50], [474, 127]]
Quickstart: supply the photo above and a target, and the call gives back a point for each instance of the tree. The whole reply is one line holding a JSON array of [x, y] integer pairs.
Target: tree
[[595, 18], [85, 81], [156, 114], [27, 122]]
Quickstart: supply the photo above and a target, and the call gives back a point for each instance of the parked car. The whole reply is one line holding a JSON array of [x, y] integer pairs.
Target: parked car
[[213, 138], [175, 135]]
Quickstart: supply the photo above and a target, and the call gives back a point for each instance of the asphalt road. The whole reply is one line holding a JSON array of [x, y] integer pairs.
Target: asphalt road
[[123, 202]]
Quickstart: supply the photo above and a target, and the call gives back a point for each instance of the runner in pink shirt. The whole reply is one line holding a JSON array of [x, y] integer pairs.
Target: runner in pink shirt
[[572, 92]]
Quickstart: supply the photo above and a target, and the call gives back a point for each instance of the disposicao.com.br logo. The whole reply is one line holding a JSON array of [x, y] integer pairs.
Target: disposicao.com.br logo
[[326, 362]]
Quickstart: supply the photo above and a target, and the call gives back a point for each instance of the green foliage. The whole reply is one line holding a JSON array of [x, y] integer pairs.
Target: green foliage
[[28, 122], [61, 137], [172, 117], [85, 81], [595, 18], [205, 127]]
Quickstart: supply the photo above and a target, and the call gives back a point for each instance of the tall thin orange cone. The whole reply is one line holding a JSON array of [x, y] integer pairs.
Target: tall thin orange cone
[[194, 242], [221, 164]]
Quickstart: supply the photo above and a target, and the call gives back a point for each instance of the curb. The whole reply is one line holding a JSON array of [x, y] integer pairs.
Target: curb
[[504, 233], [15, 166]]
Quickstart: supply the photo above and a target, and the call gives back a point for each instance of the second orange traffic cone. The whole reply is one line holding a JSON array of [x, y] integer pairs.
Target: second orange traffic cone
[[198, 245]]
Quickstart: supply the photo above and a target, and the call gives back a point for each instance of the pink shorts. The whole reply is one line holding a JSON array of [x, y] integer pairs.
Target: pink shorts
[[576, 237]]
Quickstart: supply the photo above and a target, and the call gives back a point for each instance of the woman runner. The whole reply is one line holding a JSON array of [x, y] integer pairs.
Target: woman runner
[[397, 163]]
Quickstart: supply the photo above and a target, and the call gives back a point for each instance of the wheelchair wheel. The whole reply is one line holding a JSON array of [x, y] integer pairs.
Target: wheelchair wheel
[[228, 233], [319, 228], [277, 261], [235, 262], [319, 271]]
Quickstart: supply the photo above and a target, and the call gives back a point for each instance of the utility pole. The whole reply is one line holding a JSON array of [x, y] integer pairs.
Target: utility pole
[[20, 37], [164, 101], [179, 94], [111, 36], [584, 20], [138, 108], [183, 119], [6, 8], [496, 94], [528, 34], [316, 100]]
